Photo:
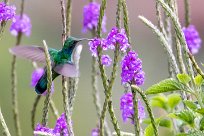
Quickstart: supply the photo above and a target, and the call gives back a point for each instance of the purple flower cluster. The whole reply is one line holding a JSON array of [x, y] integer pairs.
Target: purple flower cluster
[[193, 39], [126, 106], [60, 128], [61, 125], [21, 24], [114, 37], [132, 69], [6, 12], [41, 128], [95, 132], [91, 16], [36, 75], [117, 36], [106, 60]]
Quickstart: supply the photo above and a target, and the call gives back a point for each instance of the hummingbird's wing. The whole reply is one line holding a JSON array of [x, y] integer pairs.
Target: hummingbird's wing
[[67, 69], [33, 53]]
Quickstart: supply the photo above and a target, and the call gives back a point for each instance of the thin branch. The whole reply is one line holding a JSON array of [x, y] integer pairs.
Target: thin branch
[[54, 109], [3, 123], [33, 111], [179, 34], [49, 84], [64, 82], [14, 90], [187, 12], [164, 43], [195, 65], [149, 110]]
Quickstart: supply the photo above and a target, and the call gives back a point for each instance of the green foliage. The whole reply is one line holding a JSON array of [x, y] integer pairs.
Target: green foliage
[[159, 101], [167, 85], [200, 110], [190, 104], [173, 100], [165, 123], [202, 124], [186, 116], [184, 78], [198, 80], [149, 131], [195, 133], [162, 122], [167, 103]]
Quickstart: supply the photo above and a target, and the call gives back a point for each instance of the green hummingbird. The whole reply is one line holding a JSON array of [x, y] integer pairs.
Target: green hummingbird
[[62, 60]]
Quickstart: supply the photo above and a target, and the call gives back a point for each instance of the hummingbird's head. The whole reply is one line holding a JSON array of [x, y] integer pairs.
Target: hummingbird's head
[[71, 42]]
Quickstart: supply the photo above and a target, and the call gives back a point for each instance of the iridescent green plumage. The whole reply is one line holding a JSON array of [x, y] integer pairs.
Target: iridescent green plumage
[[62, 60]]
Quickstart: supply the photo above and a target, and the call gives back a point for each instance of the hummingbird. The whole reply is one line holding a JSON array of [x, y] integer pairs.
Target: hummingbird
[[62, 61]]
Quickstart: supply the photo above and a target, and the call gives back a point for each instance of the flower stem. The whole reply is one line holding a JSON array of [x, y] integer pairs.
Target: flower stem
[[149, 110], [164, 43], [108, 88], [159, 19], [33, 111], [126, 20], [66, 22], [14, 90], [73, 82], [95, 93], [195, 65], [101, 67], [187, 12], [3, 123], [49, 84], [54, 109], [136, 119], [179, 34]]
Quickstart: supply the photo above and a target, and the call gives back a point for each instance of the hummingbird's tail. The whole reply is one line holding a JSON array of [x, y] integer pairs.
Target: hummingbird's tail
[[41, 86]]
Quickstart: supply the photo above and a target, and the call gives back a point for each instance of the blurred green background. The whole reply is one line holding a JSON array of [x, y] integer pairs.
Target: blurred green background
[[46, 25]]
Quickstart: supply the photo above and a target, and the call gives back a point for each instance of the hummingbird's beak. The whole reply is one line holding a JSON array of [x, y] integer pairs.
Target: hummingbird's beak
[[84, 39]]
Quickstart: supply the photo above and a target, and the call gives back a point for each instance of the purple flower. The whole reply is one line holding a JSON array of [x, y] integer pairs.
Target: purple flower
[[41, 128], [95, 132], [21, 24], [91, 16], [126, 106], [93, 44], [6, 12], [61, 125], [117, 36], [132, 69], [193, 39], [36, 75], [59, 129], [106, 60]]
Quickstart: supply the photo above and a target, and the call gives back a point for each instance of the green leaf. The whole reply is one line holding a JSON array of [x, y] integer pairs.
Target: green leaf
[[146, 121], [196, 133], [159, 101], [198, 80], [202, 124], [167, 85], [165, 123], [190, 104], [201, 111], [182, 134], [149, 131], [186, 116], [184, 78], [159, 121], [173, 100]]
